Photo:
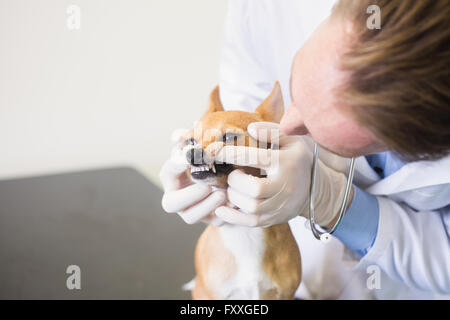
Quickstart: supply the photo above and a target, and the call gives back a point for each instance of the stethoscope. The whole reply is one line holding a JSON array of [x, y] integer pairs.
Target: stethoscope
[[319, 232]]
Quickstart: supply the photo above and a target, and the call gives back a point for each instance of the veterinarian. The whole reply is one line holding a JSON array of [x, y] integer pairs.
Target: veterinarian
[[378, 94]]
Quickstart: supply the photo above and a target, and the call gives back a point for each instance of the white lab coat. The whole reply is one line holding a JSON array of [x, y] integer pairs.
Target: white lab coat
[[412, 248]]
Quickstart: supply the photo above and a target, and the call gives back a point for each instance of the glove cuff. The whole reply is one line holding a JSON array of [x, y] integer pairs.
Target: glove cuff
[[330, 190]]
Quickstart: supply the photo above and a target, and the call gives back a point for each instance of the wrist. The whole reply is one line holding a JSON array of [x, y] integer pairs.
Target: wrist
[[336, 215], [330, 191]]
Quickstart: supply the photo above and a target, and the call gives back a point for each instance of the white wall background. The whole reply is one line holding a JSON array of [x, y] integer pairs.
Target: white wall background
[[109, 93]]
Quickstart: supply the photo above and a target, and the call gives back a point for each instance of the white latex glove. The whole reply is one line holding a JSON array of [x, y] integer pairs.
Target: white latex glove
[[284, 193], [194, 202]]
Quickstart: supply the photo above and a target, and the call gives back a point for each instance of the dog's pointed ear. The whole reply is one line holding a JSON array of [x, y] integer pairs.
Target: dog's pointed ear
[[272, 108], [214, 101]]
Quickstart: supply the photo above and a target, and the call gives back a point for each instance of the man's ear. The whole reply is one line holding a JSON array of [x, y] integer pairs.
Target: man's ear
[[214, 101], [272, 108]]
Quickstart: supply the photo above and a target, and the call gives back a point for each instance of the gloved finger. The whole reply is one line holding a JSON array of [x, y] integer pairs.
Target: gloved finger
[[178, 200], [172, 170], [256, 206], [199, 211], [213, 220], [255, 187], [270, 132], [242, 201], [265, 131], [238, 217], [288, 142], [247, 156]]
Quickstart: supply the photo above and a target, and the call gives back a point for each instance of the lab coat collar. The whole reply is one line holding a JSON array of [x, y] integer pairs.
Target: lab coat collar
[[413, 175]]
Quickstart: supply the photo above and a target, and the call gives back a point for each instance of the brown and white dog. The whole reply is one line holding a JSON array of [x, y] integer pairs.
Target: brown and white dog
[[235, 262]]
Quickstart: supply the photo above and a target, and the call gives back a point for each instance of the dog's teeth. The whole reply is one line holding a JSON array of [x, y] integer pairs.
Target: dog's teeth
[[207, 167], [212, 167]]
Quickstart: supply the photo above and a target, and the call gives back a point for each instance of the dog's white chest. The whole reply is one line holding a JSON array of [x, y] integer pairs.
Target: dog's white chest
[[247, 245]]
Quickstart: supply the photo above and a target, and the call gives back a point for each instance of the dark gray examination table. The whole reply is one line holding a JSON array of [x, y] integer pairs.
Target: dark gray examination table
[[108, 222]]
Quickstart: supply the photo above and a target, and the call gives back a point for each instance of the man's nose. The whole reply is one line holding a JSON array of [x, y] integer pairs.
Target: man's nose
[[195, 156], [292, 122]]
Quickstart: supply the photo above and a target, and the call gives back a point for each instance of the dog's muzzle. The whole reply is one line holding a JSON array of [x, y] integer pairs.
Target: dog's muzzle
[[201, 170]]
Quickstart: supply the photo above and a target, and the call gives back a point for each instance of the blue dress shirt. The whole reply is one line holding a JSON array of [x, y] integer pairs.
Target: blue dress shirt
[[359, 226]]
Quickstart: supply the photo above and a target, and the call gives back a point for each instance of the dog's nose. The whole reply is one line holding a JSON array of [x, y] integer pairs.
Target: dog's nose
[[195, 156]]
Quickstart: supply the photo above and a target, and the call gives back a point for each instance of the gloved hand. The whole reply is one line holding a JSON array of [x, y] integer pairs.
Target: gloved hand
[[284, 193], [193, 202]]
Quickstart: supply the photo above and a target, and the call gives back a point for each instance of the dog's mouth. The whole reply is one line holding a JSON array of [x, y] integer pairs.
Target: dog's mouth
[[212, 170]]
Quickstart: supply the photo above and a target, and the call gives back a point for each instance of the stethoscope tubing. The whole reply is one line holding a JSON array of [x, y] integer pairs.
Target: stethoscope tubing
[[318, 231]]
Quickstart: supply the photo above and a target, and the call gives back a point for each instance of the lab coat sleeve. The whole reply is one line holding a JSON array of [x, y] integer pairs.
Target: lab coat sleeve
[[412, 246], [243, 78]]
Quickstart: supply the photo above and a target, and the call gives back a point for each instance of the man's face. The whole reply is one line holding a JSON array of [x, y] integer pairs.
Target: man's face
[[314, 109]]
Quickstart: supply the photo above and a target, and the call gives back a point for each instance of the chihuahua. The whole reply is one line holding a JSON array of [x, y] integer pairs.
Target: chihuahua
[[236, 262]]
